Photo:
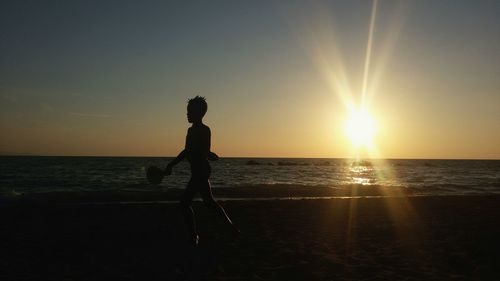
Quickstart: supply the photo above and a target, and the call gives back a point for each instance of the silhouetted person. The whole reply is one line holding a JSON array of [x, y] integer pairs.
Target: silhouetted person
[[197, 151]]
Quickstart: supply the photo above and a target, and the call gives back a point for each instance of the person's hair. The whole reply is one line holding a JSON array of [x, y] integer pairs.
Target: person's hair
[[198, 104]]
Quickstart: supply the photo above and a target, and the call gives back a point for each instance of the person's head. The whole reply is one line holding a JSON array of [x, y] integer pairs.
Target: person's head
[[196, 109]]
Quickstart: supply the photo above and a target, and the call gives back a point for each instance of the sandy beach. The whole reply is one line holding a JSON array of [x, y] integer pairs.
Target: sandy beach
[[416, 238]]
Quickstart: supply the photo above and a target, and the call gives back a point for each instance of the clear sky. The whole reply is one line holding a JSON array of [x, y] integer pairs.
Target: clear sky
[[113, 77]]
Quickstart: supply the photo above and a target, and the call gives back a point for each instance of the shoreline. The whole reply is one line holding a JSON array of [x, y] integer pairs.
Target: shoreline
[[249, 193], [257, 199]]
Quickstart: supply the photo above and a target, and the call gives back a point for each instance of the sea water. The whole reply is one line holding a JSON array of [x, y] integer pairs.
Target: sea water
[[38, 174]]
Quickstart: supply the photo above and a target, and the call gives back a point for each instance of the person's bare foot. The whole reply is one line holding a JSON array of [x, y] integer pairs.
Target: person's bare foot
[[195, 239]]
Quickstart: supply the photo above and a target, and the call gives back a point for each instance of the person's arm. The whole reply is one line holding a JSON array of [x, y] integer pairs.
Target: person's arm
[[212, 156], [179, 158]]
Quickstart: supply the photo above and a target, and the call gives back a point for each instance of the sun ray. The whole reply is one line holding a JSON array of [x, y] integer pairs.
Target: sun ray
[[385, 47], [316, 32], [369, 49], [320, 40]]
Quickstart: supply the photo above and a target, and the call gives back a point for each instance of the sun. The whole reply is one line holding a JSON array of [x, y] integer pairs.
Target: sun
[[360, 128]]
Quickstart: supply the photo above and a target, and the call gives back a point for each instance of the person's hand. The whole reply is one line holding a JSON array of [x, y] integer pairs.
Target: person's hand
[[212, 156], [168, 170]]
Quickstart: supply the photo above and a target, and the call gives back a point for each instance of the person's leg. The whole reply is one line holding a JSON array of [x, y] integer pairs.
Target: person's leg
[[187, 211], [208, 199]]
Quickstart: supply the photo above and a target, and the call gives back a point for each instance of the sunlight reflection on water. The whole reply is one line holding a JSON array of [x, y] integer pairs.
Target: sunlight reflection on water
[[362, 175]]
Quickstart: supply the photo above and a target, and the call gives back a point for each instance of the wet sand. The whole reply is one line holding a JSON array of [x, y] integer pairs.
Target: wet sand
[[416, 238], [151, 193]]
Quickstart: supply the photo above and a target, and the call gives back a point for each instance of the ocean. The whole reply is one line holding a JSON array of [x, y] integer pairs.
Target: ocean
[[21, 175]]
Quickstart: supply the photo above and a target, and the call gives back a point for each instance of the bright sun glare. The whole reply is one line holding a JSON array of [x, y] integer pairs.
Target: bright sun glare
[[360, 128]]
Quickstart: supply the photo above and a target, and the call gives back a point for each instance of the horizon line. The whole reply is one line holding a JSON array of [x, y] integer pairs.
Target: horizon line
[[262, 157]]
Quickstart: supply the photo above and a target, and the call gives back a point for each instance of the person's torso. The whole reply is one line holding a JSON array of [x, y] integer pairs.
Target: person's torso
[[198, 144]]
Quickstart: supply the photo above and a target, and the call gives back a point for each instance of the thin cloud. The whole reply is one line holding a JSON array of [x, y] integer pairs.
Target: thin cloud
[[46, 107], [9, 98], [91, 115]]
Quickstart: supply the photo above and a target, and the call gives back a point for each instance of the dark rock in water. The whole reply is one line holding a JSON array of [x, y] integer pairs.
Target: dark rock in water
[[252, 163]]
